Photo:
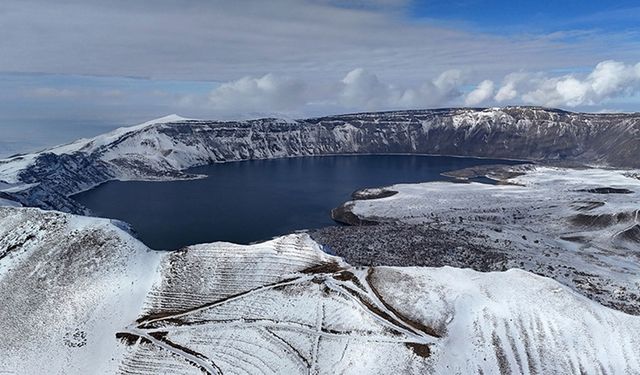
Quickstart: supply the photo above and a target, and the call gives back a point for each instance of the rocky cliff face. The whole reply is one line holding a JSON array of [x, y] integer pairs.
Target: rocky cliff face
[[160, 150]]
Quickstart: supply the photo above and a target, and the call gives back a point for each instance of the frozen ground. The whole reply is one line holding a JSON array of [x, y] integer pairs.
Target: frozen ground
[[81, 295], [580, 227]]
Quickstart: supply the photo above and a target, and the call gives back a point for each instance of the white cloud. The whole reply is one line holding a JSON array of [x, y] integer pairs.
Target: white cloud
[[362, 89], [358, 90], [508, 90], [480, 94], [609, 80], [449, 81], [269, 93], [609, 84]]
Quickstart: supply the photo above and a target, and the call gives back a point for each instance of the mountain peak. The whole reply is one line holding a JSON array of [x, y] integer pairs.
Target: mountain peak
[[164, 120]]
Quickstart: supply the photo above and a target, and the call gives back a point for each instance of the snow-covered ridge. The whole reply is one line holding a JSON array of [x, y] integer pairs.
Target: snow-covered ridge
[[81, 295], [10, 168], [92, 144], [162, 149]]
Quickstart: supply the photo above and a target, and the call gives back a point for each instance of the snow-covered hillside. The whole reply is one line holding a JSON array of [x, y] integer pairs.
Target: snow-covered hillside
[[580, 227], [80, 295], [67, 283], [162, 149]]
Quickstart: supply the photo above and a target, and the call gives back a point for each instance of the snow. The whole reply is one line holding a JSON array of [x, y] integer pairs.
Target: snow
[[161, 149], [70, 284], [546, 221], [92, 144], [516, 321], [11, 168], [66, 286]]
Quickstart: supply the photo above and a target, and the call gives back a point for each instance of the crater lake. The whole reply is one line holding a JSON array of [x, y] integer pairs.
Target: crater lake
[[254, 200]]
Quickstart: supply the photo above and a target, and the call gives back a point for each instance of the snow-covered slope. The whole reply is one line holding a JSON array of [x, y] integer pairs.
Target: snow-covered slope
[[67, 283], [161, 149], [10, 171], [80, 295], [578, 226]]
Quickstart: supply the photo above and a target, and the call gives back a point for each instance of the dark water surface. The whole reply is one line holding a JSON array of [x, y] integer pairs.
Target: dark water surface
[[256, 200]]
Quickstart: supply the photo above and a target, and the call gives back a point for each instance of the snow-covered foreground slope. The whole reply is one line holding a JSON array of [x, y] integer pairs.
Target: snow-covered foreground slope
[[578, 226], [163, 148], [66, 284], [80, 295]]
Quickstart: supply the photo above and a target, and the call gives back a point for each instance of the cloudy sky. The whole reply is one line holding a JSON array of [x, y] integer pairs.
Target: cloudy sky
[[74, 68]]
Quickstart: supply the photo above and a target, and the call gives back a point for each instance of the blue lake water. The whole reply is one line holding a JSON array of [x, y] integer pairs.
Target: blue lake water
[[249, 201]]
